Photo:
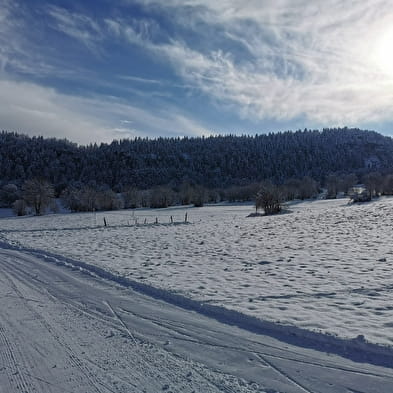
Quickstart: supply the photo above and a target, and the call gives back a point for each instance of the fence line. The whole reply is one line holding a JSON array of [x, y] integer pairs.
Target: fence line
[[135, 220]]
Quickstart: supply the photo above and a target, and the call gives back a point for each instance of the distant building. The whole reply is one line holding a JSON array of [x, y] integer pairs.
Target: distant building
[[359, 193]]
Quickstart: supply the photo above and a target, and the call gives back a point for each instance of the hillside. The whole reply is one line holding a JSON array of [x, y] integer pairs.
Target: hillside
[[217, 161]]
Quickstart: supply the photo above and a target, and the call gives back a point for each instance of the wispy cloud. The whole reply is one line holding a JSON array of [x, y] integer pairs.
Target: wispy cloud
[[20, 53], [141, 80], [313, 59], [33, 109], [263, 61], [79, 26], [11, 43]]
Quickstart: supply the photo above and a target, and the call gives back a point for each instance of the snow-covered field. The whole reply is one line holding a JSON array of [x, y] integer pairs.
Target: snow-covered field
[[325, 265]]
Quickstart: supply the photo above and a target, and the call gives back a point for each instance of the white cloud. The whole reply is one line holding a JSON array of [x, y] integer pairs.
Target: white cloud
[[145, 122], [20, 53], [323, 59], [136, 31], [36, 110], [32, 109], [78, 26], [141, 80], [326, 61], [266, 95]]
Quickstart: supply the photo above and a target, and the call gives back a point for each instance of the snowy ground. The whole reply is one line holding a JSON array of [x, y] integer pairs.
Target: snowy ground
[[325, 266], [52, 340], [65, 331]]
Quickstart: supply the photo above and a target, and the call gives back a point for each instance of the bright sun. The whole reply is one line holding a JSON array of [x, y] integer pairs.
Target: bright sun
[[384, 52]]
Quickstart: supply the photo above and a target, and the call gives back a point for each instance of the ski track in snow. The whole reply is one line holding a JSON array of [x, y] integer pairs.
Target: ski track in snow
[[48, 346], [326, 266], [62, 330]]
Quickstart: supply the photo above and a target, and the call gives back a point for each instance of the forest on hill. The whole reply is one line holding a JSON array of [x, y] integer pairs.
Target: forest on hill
[[213, 162], [229, 166]]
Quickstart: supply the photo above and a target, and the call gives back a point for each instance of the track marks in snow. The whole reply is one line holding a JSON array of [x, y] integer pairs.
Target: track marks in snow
[[121, 321], [11, 366], [138, 348], [269, 355], [72, 358], [78, 354], [283, 373], [201, 354], [324, 252]]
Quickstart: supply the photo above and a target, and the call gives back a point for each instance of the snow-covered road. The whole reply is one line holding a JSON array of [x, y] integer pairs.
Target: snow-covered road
[[64, 331]]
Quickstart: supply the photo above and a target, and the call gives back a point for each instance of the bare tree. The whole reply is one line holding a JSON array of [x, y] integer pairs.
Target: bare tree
[[308, 188], [199, 196], [132, 198], [242, 193], [108, 200], [19, 207], [269, 198], [161, 197], [291, 189], [80, 199], [185, 193], [332, 184], [347, 182], [374, 183], [38, 194], [388, 185], [145, 198]]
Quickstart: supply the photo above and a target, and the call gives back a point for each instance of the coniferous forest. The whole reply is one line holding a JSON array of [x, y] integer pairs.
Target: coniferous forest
[[215, 163]]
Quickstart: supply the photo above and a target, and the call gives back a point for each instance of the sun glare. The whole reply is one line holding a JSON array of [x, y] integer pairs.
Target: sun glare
[[384, 52]]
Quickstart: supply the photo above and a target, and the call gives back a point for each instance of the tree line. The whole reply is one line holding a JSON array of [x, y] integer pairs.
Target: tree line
[[165, 171], [38, 195]]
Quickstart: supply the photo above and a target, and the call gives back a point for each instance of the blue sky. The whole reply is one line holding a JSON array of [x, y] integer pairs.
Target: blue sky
[[92, 71]]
